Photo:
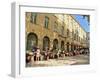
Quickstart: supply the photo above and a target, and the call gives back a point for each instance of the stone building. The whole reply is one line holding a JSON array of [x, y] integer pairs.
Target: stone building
[[57, 31]]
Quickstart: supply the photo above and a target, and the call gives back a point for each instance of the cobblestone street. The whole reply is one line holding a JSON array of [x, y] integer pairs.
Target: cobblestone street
[[73, 60]]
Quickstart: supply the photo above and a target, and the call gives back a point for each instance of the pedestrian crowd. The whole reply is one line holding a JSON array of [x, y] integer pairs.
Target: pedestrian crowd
[[36, 54]]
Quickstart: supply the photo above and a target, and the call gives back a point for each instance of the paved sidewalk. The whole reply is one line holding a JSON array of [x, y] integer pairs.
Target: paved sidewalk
[[73, 60]]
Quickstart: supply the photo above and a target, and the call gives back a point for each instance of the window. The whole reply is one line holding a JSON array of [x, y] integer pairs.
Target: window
[[73, 34], [46, 22], [77, 35], [55, 26], [62, 30], [67, 33], [33, 17]]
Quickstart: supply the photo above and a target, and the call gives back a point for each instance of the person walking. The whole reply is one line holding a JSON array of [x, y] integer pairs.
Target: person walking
[[38, 55]]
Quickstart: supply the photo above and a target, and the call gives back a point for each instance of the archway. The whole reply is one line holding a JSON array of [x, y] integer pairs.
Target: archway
[[72, 47], [46, 42], [62, 45], [68, 46], [32, 40], [55, 44]]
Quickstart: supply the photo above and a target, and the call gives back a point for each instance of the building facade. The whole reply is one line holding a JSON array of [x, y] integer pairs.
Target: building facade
[[57, 31], [88, 39]]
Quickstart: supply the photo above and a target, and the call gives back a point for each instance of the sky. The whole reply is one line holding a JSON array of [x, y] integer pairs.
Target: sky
[[83, 22]]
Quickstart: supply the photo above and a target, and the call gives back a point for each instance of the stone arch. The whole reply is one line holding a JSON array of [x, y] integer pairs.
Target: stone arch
[[32, 40]]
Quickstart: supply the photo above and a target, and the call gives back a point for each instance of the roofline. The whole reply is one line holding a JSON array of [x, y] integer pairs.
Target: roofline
[[78, 22]]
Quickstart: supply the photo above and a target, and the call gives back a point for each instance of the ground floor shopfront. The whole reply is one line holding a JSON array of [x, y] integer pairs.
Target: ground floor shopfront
[[52, 40]]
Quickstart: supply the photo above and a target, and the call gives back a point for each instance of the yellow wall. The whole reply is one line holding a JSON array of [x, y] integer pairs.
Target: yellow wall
[[69, 23]]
